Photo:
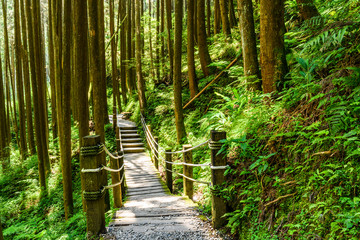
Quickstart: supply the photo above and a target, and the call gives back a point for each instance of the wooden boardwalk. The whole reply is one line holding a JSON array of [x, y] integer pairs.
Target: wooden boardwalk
[[150, 209]]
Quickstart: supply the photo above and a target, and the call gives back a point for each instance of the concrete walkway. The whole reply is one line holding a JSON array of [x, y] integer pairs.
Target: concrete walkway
[[150, 211]]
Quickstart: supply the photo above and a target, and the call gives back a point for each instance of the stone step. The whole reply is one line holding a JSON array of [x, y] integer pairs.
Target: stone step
[[132, 145], [134, 150], [128, 128], [131, 140], [128, 131], [132, 135]]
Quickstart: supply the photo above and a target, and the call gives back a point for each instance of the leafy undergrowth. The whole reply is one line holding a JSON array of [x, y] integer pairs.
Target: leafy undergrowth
[[24, 216], [294, 154]]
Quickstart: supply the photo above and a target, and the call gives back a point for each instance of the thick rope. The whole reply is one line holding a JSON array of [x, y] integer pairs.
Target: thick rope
[[114, 170], [115, 184], [189, 149], [110, 154]]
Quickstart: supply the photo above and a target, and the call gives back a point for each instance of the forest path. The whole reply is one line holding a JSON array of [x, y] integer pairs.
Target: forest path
[[150, 211]]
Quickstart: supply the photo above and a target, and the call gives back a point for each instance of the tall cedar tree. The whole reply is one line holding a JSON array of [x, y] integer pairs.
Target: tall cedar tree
[[3, 140], [150, 42], [25, 57], [95, 7], [52, 74], [19, 82], [248, 42], [65, 133], [6, 67], [1, 233], [130, 75], [157, 42], [272, 50], [204, 55], [139, 74], [162, 39], [307, 9], [122, 6], [232, 17], [114, 72], [133, 42], [13, 87], [34, 32], [190, 50], [217, 17], [224, 10], [208, 17], [179, 117], [169, 38], [81, 70]]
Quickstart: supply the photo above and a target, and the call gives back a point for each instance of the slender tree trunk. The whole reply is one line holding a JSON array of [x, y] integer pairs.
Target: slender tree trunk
[[272, 50], [65, 96], [52, 75], [122, 6], [114, 73], [103, 69], [19, 82], [81, 70], [3, 139], [25, 57], [204, 55], [248, 42], [36, 92], [139, 74], [208, 17], [224, 10], [217, 17], [195, 23], [232, 17], [307, 9], [190, 50], [162, 43], [150, 42], [170, 41], [133, 43], [157, 58], [1, 233], [179, 118], [129, 47], [95, 56], [15, 119]]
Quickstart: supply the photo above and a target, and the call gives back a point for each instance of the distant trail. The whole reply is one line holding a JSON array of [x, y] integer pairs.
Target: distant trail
[[151, 212]]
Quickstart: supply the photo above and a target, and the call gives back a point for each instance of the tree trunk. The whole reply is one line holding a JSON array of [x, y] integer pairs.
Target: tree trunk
[[224, 10], [232, 17], [170, 41], [139, 74], [307, 9], [248, 42], [29, 121], [3, 139], [150, 42], [65, 132], [81, 70], [19, 82], [208, 17], [204, 55], [1, 233], [95, 7], [52, 75], [272, 50], [195, 23], [130, 75], [217, 17], [157, 41], [122, 6], [162, 43], [114, 72], [133, 43], [193, 86], [179, 118], [37, 92]]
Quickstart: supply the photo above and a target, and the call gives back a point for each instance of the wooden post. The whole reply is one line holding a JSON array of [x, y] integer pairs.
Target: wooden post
[[169, 180], [1, 233], [156, 152], [122, 172], [93, 189], [115, 178], [117, 136], [148, 142], [114, 118], [188, 171], [218, 204]]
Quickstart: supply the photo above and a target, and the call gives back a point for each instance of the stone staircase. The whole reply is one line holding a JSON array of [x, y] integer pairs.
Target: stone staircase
[[130, 139]]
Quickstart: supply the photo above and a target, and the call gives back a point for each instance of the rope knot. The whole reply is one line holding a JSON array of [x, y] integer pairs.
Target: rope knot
[[93, 196], [92, 150], [215, 145]]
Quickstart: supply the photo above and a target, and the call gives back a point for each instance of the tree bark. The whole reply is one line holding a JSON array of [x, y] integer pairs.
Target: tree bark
[[208, 18], [3, 140], [248, 42], [232, 17], [204, 55], [150, 42], [193, 86], [80, 24], [217, 17], [19, 82], [224, 10], [179, 118], [122, 6], [307, 9], [157, 41], [139, 74], [169, 38], [272, 50], [130, 75]]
